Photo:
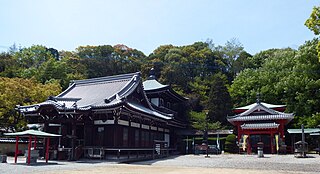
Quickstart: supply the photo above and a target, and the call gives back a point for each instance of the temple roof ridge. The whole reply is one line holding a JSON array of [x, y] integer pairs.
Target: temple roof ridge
[[106, 79], [258, 106], [263, 103]]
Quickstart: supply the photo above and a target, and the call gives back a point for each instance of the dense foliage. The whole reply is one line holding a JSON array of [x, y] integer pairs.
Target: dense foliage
[[313, 23], [230, 144], [18, 91], [286, 76]]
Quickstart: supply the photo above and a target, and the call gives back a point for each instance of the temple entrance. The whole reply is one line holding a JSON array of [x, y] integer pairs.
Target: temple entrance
[[265, 138]]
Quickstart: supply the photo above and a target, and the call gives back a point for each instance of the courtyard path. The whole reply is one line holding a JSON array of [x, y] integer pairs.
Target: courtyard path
[[185, 164]]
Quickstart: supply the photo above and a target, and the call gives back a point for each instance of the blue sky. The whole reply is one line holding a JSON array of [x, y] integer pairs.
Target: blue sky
[[147, 24]]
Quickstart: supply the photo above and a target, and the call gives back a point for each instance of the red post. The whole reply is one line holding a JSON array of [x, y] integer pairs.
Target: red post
[[47, 151], [29, 149], [17, 149], [249, 145]]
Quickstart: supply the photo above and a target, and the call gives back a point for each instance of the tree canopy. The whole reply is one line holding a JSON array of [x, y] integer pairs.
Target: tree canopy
[[18, 91], [313, 23], [287, 76]]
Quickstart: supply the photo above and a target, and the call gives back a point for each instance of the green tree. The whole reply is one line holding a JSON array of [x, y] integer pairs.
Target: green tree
[[313, 23], [265, 79], [33, 56], [17, 91], [219, 102], [199, 121], [105, 60], [8, 65], [288, 77], [229, 55], [179, 66], [53, 70], [230, 144]]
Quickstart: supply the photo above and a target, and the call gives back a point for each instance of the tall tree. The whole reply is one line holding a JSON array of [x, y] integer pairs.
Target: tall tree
[[219, 102], [8, 65]]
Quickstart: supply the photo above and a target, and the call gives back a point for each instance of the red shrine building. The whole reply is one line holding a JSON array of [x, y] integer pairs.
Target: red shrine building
[[260, 122], [111, 117]]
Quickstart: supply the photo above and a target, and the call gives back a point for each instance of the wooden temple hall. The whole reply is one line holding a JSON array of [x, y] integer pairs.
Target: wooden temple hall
[[261, 123], [111, 117]]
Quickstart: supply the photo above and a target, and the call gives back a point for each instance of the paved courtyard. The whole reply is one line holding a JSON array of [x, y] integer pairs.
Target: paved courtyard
[[186, 164]]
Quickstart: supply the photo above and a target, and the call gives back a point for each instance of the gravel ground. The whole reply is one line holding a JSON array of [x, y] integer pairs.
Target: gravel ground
[[269, 162], [224, 163]]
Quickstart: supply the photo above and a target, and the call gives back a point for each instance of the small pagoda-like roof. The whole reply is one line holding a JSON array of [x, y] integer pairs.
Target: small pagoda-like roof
[[152, 86], [259, 112]]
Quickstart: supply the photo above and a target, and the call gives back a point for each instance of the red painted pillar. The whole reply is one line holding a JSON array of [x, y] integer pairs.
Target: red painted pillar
[[29, 149], [17, 149], [249, 145], [47, 151]]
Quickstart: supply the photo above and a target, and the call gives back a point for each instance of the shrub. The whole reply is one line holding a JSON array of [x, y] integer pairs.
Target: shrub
[[230, 145]]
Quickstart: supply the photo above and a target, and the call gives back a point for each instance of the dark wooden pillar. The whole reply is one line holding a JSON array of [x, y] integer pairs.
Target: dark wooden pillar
[[73, 137], [239, 132], [271, 143], [45, 128], [17, 149], [282, 129], [47, 149], [116, 130], [29, 149]]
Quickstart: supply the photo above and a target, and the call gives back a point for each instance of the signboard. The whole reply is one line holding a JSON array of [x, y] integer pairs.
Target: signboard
[[145, 126], [133, 124], [167, 139], [101, 122], [158, 150], [123, 122]]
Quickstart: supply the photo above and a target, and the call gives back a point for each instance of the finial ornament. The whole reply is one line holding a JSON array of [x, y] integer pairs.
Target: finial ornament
[[258, 97], [152, 75]]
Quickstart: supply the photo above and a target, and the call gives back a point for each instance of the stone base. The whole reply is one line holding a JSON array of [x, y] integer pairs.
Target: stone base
[[3, 158]]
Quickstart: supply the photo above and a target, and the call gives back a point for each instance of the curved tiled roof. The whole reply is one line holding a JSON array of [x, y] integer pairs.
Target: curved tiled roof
[[262, 117], [153, 85], [149, 111], [265, 104], [259, 125], [96, 93], [259, 111]]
